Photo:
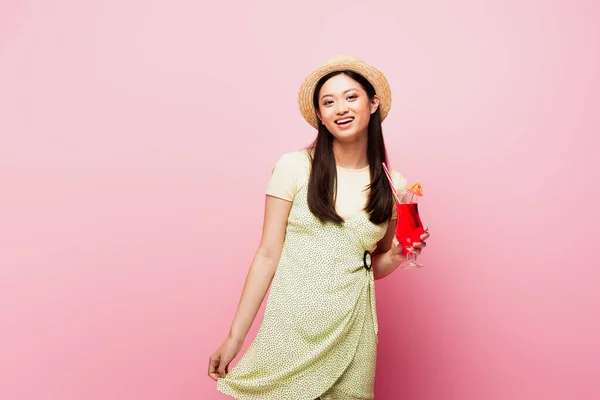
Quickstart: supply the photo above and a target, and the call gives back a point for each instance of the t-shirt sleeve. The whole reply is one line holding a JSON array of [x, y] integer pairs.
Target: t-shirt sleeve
[[284, 177], [401, 184]]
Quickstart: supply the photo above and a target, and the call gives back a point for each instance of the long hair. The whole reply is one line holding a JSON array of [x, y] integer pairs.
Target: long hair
[[322, 184]]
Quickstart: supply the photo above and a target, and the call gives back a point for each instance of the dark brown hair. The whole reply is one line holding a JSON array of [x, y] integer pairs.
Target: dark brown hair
[[323, 175]]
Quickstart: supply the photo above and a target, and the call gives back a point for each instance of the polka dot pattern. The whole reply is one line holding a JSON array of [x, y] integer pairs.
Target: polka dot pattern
[[318, 336]]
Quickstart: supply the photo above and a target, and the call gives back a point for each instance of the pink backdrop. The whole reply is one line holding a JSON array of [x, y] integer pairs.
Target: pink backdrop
[[137, 139]]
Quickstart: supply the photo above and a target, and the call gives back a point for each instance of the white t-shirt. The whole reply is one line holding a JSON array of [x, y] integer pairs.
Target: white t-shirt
[[352, 194]]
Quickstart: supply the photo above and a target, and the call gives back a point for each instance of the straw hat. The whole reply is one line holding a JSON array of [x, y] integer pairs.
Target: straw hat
[[339, 63]]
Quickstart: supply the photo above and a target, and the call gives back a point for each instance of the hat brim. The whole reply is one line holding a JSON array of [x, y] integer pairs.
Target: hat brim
[[372, 74]]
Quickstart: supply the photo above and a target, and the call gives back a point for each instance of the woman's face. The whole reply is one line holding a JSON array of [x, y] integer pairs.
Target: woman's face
[[345, 108]]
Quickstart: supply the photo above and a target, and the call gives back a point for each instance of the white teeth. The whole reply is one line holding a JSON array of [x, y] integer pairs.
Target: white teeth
[[341, 121]]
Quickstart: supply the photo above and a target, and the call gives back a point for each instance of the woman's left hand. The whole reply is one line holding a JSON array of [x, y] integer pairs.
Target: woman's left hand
[[397, 252], [419, 246]]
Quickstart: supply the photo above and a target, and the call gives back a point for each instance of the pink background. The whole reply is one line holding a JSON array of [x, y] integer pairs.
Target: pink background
[[137, 139]]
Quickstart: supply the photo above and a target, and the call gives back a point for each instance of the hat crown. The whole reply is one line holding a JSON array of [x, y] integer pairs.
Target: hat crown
[[341, 58]]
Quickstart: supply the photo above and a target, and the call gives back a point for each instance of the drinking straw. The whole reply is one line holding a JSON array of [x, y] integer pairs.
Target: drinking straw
[[387, 173]]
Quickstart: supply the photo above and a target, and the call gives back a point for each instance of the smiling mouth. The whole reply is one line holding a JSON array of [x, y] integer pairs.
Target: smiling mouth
[[344, 121]]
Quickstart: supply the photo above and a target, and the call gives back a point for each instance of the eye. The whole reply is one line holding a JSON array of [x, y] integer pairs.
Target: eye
[[352, 97], [327, 102]]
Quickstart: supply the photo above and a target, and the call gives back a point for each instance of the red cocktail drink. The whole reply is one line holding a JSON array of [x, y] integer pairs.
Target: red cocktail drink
[[409, 227]]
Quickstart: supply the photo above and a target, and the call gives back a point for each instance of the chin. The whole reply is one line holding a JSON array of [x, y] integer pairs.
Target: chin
[[346, 135]]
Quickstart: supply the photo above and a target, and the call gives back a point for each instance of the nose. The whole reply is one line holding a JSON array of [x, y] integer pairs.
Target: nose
[[342, 108]]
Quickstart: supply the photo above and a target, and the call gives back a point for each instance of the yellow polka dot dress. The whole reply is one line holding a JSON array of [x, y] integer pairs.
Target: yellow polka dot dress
[[318, 337]]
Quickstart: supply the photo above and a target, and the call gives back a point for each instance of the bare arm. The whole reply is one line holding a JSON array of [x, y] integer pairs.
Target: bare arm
[[258, 279], [263, 266]]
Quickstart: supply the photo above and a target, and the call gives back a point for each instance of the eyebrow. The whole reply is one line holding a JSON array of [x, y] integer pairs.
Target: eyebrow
[[345, 91]]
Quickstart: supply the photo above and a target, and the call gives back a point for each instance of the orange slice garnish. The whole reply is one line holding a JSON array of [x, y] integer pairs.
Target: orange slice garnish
[[416, 189]]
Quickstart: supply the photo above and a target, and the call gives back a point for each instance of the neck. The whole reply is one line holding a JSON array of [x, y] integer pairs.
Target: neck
[[351, 155]]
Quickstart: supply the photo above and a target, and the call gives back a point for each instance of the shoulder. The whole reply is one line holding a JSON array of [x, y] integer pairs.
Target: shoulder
[[288, 175], [401, 184], [293, 158], [400, 181], [292, 162]]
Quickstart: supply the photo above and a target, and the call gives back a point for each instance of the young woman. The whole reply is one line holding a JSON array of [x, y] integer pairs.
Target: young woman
[[328, 234]]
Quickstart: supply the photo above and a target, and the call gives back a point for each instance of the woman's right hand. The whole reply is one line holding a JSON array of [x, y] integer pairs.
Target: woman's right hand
[[218, 364]]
